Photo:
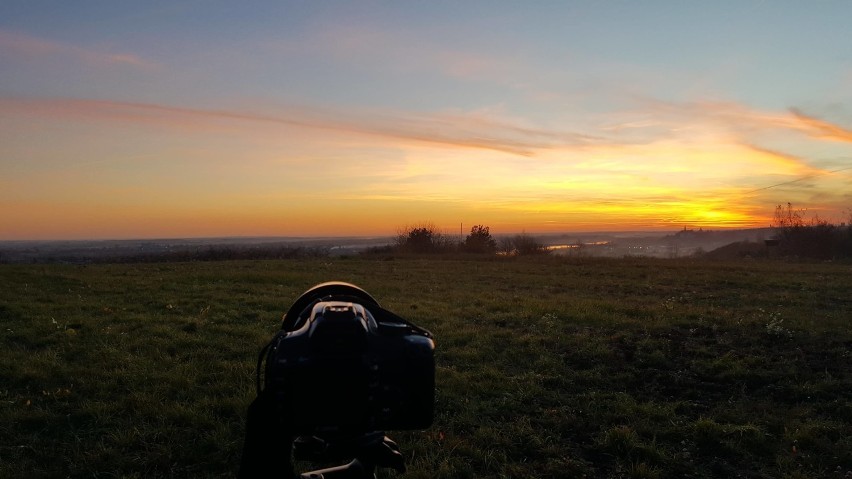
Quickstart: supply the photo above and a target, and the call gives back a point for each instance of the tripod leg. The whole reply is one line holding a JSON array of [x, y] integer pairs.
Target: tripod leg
[[266, 451], [354, 470]]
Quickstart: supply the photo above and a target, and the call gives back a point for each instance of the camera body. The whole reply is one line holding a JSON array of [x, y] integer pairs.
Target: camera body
[[342, 364]]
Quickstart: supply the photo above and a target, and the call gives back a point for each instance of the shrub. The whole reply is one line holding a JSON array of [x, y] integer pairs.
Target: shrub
[[816, 238], [423, 238], [525, 245], [480, 241]]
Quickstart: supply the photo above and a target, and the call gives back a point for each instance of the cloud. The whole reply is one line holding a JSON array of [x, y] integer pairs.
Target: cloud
[[821, 128], [33, 47], [739, 120], [458, 130]]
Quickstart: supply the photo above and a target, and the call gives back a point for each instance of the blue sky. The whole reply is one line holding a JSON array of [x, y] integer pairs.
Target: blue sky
[[152, 119]]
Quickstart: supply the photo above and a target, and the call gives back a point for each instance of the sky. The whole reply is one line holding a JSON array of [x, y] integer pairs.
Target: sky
[[173, 119]]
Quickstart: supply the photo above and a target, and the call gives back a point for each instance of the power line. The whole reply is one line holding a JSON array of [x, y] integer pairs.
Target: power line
[[798, 180]]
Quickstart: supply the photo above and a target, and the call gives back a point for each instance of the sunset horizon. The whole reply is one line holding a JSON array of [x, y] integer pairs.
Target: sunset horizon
[[459, 231], [168, 120]]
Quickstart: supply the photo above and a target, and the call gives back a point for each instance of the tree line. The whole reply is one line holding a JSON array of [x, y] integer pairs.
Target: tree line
[[425, 238]]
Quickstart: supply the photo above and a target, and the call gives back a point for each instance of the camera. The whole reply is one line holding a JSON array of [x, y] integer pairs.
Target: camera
[[343, 364], [340, 372]]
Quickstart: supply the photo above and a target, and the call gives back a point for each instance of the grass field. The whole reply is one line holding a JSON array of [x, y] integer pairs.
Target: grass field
[[546, 367]]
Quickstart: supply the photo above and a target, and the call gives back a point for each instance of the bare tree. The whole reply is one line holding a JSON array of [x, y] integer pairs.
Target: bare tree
[[787, 217], [526, 245], [521, 245]]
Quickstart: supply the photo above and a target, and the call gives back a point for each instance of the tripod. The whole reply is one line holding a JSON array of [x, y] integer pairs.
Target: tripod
[[269, 444], [370, 451]]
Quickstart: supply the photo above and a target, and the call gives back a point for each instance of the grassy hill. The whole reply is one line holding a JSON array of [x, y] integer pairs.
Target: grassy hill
[[548, 367]]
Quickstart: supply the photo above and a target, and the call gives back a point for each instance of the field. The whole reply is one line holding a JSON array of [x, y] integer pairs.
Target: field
[[546, 367]]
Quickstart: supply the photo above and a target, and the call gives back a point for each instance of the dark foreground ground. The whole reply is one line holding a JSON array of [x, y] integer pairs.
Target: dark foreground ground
[[546, 367]]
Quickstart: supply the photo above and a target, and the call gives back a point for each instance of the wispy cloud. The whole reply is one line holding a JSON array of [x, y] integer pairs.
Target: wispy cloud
[[658, 124], [29, 46], [821, 128], [457, 130], [741, 120]]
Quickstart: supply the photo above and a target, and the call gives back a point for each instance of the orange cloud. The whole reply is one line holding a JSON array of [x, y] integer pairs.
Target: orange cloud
[[738, 119], [821, 128]]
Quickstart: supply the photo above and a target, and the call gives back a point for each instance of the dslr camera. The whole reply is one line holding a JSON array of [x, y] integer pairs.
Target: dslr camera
[[340, 372], [343, 363]]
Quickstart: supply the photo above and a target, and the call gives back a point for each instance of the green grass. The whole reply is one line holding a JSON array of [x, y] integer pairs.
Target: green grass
[[547, 367]]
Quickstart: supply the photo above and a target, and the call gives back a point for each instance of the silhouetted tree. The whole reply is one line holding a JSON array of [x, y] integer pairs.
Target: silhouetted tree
[[816, 238], [786, 217], [424, 238], [480, 241]]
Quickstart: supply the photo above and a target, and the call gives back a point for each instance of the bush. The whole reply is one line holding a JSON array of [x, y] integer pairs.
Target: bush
[[423, 238], [817, 238], [480, 241], [522, 245]]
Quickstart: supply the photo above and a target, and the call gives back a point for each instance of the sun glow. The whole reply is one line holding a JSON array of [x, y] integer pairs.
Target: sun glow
[[624, 187]]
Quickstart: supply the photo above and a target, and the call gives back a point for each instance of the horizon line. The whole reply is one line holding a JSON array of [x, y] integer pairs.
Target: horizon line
[[649, 232]]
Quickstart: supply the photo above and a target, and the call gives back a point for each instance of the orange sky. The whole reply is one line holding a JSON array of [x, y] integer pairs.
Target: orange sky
[[361, 124], [245, 172]]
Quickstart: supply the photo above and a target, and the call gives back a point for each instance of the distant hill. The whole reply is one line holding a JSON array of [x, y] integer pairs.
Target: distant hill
[[738, 250]]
